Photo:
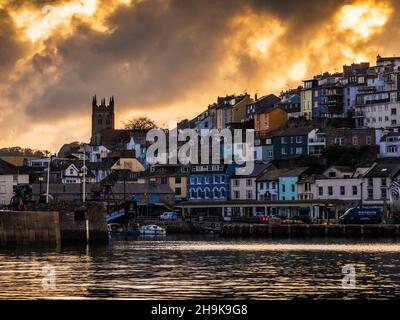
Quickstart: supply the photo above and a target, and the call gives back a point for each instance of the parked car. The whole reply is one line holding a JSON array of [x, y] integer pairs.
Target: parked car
[[169, 216], [361, 216]]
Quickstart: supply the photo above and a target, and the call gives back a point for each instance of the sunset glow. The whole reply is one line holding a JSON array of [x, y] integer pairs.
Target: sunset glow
[[168, 58]]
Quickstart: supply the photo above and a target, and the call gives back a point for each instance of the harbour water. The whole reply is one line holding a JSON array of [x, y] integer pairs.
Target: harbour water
[[203, 267]]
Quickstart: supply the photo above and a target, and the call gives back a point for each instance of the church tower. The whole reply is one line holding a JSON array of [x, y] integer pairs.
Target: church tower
[[102, 117]]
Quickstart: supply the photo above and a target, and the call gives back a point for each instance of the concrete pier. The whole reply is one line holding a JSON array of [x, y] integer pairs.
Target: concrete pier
[[309, 230]]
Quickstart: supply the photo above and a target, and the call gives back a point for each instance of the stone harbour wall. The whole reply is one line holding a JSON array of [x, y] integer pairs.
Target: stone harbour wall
[[28, 228]]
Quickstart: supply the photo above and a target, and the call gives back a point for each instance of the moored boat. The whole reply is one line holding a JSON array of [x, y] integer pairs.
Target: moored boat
[[152, 229]]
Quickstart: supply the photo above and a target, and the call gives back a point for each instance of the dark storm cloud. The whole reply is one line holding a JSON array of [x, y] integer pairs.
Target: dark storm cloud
[[11, 49], [158, 52]]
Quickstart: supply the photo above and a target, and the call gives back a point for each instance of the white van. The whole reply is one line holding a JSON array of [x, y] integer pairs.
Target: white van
[[168, 216]]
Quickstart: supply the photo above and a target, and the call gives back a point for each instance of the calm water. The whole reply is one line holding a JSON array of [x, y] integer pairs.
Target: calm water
[[203, 267]]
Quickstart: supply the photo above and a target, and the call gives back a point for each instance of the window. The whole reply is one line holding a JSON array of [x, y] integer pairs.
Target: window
[[293, 188], [215, 179], [178, 191], [391, 149], [370, 193], [71, 171], [342, 190], [216, 193], [192, 195], [383, 182], [222, 193], [355, 190], [249, 194], [299, 150], [330, 191], [178, 180], [332, 174], [283, 151], [320, 191], [236, 182], [299, 139], [283, 140], [370, 182], [355, 141], [384, 193], [283, 188], [393, 111], [249, 182], [269, 154], [222, 179], [368, 140], [237, 194], [207, 193]]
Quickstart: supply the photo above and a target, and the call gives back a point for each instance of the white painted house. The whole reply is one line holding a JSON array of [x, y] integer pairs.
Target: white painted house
[[10, 176]]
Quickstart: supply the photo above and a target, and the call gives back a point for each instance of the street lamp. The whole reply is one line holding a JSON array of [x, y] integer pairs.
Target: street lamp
[[40, 183]]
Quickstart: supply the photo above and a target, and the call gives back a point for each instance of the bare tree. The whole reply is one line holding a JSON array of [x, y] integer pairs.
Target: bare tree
[[140, 123]]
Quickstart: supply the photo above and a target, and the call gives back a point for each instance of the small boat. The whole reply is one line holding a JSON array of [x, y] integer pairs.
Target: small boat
[[152, 229], [115, 229], [211, 228]]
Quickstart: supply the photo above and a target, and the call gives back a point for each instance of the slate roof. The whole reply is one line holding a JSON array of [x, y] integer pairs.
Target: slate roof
[[301, 131], [383, 170]]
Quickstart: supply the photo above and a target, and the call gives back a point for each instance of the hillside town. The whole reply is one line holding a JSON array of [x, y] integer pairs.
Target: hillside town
[[330, 144]]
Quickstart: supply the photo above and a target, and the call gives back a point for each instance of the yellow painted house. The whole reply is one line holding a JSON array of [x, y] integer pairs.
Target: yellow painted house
[[231, 109], [306, 96], [239, 109]]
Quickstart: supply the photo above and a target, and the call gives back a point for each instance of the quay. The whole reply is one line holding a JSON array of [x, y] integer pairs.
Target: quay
[[54, 224], [310, 230]]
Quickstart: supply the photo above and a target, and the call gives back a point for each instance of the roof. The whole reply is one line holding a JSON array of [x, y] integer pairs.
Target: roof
[[274, 173], [292, 172], [300, 131], [259, 168], [383, 170], [269, 175], [128, 164], [8, 168]]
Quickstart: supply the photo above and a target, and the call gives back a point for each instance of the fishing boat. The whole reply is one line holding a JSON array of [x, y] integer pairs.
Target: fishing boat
[[152, 229]]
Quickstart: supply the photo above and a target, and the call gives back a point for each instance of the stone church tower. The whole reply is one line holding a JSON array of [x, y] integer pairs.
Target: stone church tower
[[102, 117]]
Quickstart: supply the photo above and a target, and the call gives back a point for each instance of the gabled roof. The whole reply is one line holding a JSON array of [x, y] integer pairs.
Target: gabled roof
[[292, 172]]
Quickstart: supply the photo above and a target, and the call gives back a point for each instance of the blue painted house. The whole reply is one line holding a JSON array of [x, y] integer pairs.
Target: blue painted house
[[290, 143], [288, 182], [210, 182]]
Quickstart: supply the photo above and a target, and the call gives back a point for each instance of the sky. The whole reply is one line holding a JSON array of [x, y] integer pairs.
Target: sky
[[169, 59]]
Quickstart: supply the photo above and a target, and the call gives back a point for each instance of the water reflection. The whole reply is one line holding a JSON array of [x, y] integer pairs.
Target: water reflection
[[204, 267]]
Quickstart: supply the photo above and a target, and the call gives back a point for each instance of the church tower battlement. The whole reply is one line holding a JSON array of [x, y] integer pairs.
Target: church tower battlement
[[102, 116]]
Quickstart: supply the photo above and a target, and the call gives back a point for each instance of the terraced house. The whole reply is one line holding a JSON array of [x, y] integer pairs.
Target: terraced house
[[210, 182]]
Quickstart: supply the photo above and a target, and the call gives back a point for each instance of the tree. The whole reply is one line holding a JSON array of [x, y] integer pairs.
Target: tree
[[140, 123]]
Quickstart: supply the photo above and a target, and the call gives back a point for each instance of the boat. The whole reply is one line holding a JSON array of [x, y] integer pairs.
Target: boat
[[210, 228], [152, 229], [116, 229]]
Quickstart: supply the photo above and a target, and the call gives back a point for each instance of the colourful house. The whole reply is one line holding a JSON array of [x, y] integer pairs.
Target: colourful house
[[268, 120], [288, 182], [307, 98]]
